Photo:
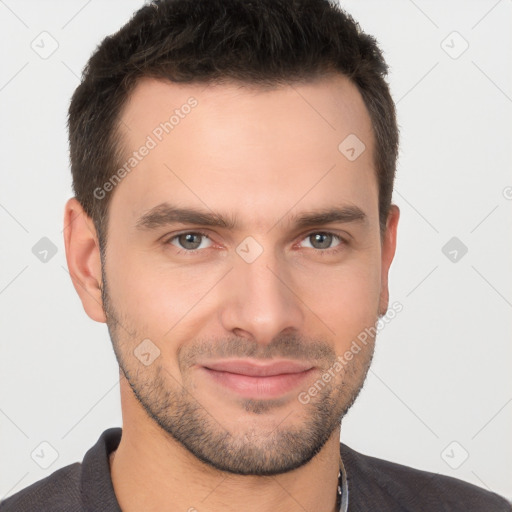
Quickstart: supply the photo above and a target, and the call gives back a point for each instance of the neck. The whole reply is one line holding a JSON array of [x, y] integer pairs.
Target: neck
[[152, 472]]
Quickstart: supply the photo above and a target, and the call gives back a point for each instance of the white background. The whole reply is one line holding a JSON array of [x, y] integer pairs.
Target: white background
[[442, 369]]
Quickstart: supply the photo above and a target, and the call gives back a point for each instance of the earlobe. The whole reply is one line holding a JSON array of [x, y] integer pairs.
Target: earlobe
[[387, 255], [83, 258]]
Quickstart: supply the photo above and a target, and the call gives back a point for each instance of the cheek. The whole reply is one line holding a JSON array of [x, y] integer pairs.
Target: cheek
[[157, 296], [344, 298], [160, 298]]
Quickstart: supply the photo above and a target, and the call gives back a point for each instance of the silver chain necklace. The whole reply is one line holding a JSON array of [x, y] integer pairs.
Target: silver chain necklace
[[342, 488]]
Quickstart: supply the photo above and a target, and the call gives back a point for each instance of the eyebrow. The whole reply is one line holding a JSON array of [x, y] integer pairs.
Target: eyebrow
[[166, 214]]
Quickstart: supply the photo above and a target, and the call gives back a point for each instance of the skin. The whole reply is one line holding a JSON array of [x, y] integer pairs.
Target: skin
[[262, 156]]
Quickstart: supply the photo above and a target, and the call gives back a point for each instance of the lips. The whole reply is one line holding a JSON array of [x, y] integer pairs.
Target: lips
[[256, 379], [252, 369]]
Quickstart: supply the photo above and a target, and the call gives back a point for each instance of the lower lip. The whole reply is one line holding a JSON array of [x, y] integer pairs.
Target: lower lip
[[259, 387]]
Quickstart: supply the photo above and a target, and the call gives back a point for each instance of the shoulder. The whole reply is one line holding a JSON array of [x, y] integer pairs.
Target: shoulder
[[74, 488], [58, 492], [373, 480]]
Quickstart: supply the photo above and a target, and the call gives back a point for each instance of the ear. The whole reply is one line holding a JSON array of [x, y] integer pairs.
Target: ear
[[83, 258], [387, 254]]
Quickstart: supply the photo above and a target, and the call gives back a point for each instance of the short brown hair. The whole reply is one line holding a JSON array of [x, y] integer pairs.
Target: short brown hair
[[260, 42]]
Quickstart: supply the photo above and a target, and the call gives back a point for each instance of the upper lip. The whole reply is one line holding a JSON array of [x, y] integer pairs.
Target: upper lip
[[254, 368]]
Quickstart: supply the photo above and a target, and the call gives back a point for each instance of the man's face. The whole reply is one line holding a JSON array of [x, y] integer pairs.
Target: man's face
[[246, 317]]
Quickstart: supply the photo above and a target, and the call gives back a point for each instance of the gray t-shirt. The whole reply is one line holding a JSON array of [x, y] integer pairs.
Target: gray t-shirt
[[374, 485]]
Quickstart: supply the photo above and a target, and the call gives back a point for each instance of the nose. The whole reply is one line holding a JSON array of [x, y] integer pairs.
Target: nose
[[260, 301]]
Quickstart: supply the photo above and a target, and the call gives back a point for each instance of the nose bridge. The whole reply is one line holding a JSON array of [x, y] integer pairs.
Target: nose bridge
[[262, 303]]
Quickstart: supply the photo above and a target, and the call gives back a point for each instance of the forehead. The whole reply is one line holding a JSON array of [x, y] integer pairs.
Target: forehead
[[247, 150]]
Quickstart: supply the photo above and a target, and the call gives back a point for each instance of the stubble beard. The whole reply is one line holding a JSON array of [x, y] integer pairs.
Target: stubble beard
[[253, 451]]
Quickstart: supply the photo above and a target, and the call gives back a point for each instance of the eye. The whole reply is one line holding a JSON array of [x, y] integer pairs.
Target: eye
[[322, 240], [190, 241]]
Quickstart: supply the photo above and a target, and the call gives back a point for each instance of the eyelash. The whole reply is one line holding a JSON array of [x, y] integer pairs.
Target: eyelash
[[321, 252]]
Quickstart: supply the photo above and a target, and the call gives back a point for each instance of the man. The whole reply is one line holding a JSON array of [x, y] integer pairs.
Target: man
[[233, 165]]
